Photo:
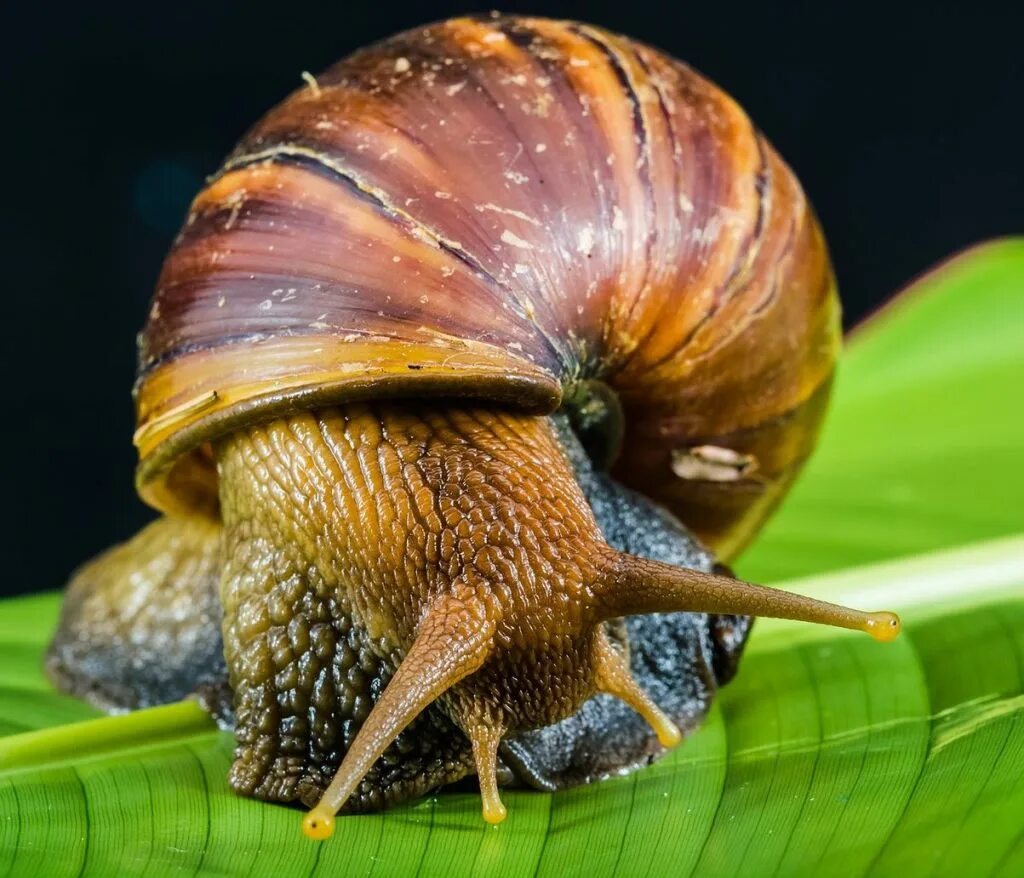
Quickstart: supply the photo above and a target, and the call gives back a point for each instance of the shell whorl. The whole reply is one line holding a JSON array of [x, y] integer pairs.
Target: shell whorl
[[504, 209]]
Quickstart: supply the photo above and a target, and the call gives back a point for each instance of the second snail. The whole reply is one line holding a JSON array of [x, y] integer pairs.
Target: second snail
[[468, 372]]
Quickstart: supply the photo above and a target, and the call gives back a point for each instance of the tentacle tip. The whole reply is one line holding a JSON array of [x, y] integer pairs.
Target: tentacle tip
[[883, 626], [669, 735], [494, 812], [318, 824]]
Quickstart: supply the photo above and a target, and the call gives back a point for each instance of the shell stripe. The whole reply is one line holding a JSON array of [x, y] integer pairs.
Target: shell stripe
[[617, 64], [333, 169]]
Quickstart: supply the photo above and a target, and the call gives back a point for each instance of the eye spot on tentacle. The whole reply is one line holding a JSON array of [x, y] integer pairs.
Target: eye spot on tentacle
[[318, 824], [712, 463]]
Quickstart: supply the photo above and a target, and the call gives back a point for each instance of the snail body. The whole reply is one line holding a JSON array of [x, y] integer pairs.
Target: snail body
[[424, 303]]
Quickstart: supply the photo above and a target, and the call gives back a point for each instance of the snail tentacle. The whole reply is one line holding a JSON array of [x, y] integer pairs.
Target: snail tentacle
[[453, 641], [638, 585], [614, 677], [485, 737]]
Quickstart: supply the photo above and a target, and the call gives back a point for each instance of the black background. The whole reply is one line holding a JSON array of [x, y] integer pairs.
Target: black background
[[905, 122]]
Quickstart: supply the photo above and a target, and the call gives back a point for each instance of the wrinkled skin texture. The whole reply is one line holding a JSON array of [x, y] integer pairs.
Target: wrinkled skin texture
[[331, 668]]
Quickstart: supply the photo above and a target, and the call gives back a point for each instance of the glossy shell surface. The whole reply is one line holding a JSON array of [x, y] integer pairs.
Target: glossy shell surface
[[504, 209]]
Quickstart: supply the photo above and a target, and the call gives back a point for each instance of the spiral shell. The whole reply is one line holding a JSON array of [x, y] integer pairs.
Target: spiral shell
[[520, 211]]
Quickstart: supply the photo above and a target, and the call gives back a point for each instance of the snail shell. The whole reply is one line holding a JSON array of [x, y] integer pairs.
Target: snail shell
[[532, 213]]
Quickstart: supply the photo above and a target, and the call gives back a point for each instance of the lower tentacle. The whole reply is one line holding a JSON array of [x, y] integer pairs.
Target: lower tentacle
[[453, 641], [614, 678], [485, 738]]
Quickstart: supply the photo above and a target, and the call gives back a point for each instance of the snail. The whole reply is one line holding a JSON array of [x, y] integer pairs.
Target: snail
[[465, 370]]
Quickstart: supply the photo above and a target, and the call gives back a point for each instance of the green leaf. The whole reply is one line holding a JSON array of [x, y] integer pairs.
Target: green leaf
[[828, 755]]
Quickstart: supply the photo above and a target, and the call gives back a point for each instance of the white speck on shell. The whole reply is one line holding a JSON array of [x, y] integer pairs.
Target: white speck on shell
[[515, 241], [518, 214], [585, 242]]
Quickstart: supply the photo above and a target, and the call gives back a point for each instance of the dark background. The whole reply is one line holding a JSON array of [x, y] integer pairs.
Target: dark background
[[904, 120]]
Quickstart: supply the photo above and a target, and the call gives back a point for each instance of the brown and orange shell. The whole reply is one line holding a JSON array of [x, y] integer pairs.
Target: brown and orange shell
[[505, 209]]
